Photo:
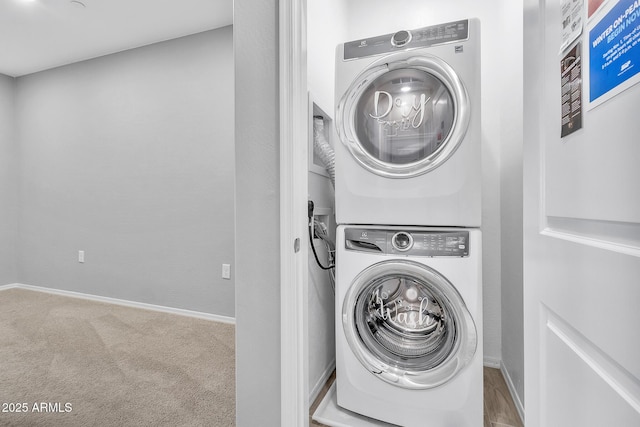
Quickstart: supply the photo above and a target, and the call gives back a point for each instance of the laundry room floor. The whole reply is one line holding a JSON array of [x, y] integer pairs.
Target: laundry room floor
[[499, 409]]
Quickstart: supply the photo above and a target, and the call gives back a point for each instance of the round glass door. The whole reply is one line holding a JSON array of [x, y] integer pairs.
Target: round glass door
[[408, 324], [401, 119]]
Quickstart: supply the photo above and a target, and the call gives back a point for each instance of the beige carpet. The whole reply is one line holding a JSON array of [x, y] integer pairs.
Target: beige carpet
[[98, 364]]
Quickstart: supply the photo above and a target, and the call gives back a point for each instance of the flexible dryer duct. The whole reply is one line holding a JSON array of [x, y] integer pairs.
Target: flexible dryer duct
[[323, 150]]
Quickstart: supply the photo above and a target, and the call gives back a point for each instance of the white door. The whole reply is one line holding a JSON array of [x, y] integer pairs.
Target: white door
[[582, 241]]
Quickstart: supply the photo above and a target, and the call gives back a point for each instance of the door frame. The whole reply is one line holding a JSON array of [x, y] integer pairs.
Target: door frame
[[294, 242]]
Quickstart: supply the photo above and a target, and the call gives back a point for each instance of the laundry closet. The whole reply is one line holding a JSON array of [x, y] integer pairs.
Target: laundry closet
[[391, 203]]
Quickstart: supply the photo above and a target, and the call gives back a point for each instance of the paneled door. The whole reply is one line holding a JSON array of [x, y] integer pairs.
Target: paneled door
[[581, 223]]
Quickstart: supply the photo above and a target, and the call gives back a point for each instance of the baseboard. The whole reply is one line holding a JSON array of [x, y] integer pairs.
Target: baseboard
[[492, 362], [512, 390], [126, 303], [314, 392]]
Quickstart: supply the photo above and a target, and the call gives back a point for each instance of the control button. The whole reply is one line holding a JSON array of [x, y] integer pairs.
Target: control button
[[401, 38], [402, 241]]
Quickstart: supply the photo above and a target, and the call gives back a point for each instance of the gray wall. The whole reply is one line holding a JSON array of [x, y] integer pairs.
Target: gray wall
[[8, 183], [130, 157], [257, 213]]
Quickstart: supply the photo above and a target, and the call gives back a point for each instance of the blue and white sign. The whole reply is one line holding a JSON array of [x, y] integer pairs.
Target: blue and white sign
[[614, 51]]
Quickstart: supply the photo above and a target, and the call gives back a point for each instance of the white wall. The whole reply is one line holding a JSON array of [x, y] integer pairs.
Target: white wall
[[511, 199], [130, 157], [321, 46], [8, 183], [373, 17], [321, 82], [257, 213], [321, 297]]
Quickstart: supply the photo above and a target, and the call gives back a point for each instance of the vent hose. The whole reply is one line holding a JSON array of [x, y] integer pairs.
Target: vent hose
[[323, 150]]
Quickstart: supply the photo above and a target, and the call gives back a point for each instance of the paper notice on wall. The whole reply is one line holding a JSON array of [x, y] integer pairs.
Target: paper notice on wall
[[572, 16], [571, 78], [614, 51]]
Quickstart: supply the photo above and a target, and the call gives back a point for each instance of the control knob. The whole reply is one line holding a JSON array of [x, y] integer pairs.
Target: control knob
[[401, 38], [402, 241]]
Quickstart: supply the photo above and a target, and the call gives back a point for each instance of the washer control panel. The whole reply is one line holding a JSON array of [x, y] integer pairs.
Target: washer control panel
[[430, 243], [422, 37]]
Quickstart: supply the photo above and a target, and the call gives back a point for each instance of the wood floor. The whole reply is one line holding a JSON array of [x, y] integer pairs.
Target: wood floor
[[499, 410]]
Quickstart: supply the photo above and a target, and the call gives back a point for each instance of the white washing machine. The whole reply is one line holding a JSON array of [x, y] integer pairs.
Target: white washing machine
[[409, 325], [408, 122]]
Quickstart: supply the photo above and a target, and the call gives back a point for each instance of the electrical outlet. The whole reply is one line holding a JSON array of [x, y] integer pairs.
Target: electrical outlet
[[80, 256], [321, 219], [226, 271]]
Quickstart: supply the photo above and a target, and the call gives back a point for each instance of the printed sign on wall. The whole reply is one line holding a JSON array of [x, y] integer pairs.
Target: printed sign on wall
[[614, 51], [572, 11], [571, 74]]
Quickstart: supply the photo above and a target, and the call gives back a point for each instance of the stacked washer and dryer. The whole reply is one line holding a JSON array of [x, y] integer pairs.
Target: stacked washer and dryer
[[408, 186]]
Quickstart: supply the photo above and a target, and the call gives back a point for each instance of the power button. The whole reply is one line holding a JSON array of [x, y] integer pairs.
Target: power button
[[401, 38]]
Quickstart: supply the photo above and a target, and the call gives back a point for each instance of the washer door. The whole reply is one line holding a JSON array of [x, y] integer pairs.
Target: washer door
[[403, 118], [408, 324]]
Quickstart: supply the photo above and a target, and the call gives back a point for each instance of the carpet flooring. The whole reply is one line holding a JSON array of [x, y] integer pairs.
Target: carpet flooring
[[71, 362]]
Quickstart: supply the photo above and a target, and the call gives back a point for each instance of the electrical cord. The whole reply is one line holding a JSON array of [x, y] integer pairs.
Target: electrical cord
[[313, 247], [329, 267], [322, 233]]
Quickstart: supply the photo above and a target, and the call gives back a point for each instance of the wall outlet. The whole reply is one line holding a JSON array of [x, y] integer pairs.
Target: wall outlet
[[226, 271], [321, 219], [80, 256]]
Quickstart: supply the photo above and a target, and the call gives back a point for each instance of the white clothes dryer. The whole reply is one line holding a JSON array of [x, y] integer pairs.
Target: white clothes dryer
[[408, 119], [409, 325]]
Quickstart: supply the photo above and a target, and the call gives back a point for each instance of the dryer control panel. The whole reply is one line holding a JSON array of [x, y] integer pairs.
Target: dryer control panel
[[404, 39], [430, 243]]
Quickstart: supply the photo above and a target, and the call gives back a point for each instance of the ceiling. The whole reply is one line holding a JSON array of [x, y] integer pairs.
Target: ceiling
[[36, 35]]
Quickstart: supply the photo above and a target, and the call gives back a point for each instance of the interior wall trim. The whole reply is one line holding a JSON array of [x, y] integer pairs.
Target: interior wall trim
[[9, 286], [125, 303], [314, 392], [491, 362], [512, 390], [294, 188]]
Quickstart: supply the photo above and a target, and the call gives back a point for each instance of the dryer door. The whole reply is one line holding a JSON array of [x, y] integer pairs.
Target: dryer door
[[403, 118], [408, 324]]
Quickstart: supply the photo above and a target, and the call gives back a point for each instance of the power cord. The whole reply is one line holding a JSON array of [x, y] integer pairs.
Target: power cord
[[310, 207]]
